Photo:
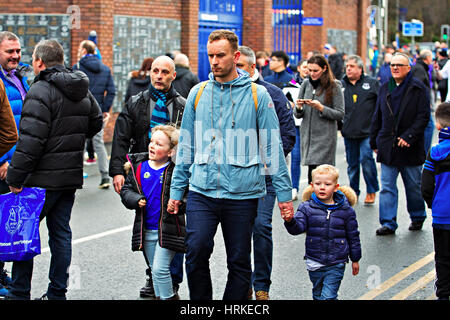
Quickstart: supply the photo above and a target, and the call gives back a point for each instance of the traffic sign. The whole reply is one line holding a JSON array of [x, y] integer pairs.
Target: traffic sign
[[412, 29]]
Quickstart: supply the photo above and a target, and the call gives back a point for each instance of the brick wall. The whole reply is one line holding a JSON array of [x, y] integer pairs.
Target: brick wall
[[257, 25], [337, 14]]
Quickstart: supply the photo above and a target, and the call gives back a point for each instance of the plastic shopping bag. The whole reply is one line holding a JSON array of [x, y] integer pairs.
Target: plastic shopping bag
[[19, 224]]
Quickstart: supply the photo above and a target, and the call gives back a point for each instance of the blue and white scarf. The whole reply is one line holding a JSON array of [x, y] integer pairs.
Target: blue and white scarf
[[160, 113]]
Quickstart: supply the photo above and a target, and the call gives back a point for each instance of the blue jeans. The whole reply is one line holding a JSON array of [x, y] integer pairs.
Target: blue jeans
[[428, 134], [296, 160], [326, 281], [262, 240], [411, 176], [359, 153], [159, 259], [203, 215], [57, 211]]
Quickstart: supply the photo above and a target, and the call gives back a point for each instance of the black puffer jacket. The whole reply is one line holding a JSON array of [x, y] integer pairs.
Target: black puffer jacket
[[58, 114], [184, 81], [171, 227], [133, 123]]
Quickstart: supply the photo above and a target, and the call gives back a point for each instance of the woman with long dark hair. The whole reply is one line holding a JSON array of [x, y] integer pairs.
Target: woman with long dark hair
[[140, 79], [321, 105]]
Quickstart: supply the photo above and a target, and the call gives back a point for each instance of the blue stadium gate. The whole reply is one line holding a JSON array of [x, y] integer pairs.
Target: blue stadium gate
[[287, 28], [216, 14]]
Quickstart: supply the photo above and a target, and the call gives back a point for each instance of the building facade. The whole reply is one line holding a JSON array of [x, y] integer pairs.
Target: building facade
[[130, 30]]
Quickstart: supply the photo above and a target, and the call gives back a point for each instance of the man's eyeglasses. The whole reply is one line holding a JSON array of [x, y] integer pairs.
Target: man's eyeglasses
[[398, 65]]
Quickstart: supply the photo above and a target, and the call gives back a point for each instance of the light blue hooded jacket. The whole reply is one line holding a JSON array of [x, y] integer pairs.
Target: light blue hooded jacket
[[218, 154]]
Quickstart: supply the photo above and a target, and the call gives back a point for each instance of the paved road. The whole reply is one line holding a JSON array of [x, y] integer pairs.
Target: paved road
[[104, 268]]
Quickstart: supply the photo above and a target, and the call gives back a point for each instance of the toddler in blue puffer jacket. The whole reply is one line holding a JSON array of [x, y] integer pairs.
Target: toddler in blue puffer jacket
[[332, 236]]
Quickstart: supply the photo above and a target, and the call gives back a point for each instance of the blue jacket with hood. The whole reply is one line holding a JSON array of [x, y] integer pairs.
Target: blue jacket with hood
[[100, 80], [15, 101], [218, 152], [436, 180]]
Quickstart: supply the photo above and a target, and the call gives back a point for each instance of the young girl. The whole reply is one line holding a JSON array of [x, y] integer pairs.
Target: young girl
[[332, 234], [147, 190]]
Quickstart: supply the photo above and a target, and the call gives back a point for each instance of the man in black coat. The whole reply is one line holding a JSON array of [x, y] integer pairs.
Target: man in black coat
[[185, 78], [101, 85], [131, 135], [360, 94], [397, 136], [58, 114]]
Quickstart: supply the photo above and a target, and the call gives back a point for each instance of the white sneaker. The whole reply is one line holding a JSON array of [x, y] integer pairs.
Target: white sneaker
[[294, 194]]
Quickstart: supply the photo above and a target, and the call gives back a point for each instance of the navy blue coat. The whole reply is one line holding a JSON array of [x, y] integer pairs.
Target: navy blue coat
[[284, 113], [330, 238], [280, 79], [100, 80], [409, 123]]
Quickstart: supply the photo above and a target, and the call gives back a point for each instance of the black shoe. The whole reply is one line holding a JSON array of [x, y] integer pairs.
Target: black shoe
[[175, 288], [5, 280], [44, 297], [104, 184], [416, 225], [148, 291], [383, 231]]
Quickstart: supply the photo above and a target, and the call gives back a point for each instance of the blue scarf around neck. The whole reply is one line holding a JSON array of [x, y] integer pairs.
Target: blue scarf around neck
[[160, 113], [338, 198]]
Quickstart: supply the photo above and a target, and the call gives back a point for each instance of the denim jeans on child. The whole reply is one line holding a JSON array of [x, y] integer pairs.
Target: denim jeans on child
[[57, 211], [326, 281], [159, 259], [358, 153], [296, 160], [411, 176], [262, 240], [236, 217]]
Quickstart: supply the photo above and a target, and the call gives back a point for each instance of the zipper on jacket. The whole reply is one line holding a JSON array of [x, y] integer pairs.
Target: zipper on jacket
[[328, 235], [162, 204], [142, 209], [219, 124]]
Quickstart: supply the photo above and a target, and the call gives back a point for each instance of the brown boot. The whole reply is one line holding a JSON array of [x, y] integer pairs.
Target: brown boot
[[262, 295], [370, 198]]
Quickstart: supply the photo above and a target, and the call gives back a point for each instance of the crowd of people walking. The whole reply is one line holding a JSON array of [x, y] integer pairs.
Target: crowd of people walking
[[183, 157]]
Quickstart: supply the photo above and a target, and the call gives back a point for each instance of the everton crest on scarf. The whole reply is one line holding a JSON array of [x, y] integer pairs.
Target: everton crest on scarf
[[160, 114]]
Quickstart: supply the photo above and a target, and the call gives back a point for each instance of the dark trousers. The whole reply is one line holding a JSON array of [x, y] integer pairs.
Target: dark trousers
[[236, 217], [310, 169], [57, 211], [441, 239]]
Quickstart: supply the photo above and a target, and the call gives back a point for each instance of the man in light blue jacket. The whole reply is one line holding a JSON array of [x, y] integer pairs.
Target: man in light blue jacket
[[229, 140]]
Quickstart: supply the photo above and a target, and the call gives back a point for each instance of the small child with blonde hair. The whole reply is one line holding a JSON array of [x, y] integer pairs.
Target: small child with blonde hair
[[332, 236], [147, 189]]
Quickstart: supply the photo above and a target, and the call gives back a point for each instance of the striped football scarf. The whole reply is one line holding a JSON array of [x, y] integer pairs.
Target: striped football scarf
[[160, 113]]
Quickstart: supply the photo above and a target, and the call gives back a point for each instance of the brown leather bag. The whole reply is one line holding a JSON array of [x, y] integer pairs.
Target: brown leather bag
[[8, 130]]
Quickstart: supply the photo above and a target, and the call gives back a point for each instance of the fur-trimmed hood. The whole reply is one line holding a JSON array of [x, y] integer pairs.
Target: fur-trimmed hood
[[349, 193]]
